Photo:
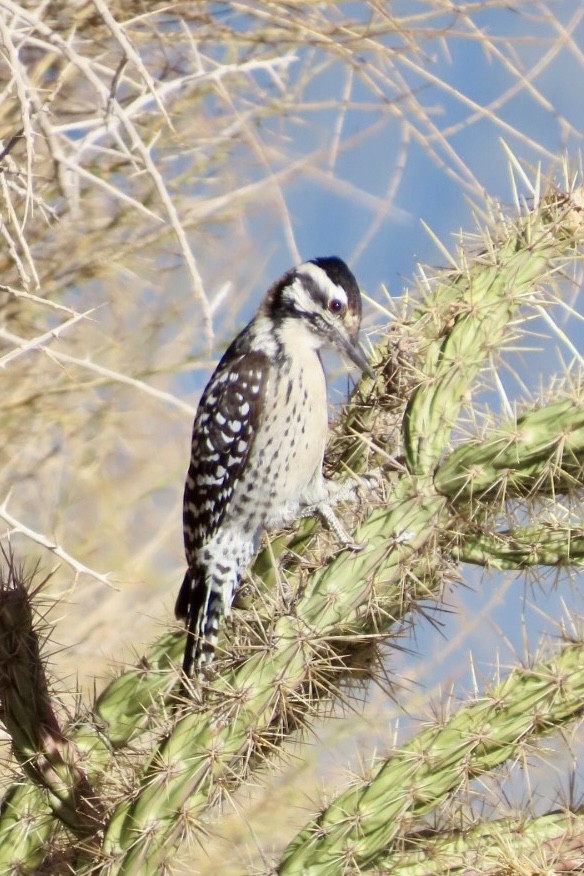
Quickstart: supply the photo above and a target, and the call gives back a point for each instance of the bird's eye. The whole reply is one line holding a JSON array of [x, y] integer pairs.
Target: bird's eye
[[336, 306]]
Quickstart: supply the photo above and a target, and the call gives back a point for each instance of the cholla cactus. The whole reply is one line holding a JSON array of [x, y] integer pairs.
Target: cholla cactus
[[437, 507], [138, 137]]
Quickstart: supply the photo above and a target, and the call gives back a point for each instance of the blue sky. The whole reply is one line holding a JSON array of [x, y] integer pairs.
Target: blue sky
[[325, 221]]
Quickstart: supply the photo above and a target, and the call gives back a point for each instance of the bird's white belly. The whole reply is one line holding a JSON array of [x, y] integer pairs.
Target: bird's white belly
[[287, 453]]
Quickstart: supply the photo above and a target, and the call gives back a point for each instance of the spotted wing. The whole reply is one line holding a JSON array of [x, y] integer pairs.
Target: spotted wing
[[227, 420]]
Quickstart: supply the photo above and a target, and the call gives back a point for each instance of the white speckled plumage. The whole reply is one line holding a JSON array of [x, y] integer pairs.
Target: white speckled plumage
[[259, 437]]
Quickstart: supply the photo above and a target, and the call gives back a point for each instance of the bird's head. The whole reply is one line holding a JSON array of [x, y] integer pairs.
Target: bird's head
[[324, 296]]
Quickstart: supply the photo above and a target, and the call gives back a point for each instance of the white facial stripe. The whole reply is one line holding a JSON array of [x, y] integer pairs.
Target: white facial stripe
[[298, 294], [322, 279], [340, 294]]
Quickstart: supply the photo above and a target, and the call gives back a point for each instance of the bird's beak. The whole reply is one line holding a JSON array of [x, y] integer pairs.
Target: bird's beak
[[355, 354]]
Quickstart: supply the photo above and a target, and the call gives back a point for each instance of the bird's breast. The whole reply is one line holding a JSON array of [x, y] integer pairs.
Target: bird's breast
[[289, 444]]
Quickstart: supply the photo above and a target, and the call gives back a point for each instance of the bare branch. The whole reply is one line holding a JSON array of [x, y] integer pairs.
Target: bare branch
[[17, 527]]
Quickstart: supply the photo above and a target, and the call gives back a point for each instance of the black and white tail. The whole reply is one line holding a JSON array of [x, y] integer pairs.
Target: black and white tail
[[200, 606]]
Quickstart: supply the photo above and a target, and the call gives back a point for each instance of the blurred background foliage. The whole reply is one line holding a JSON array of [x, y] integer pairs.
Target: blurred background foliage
[[161, 164]]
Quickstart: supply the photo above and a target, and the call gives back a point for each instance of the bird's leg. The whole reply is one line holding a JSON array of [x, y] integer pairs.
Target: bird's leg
[[322, 496], [325, 511]]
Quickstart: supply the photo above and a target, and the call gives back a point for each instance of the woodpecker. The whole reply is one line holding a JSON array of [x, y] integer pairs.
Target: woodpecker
[[259, 438]]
